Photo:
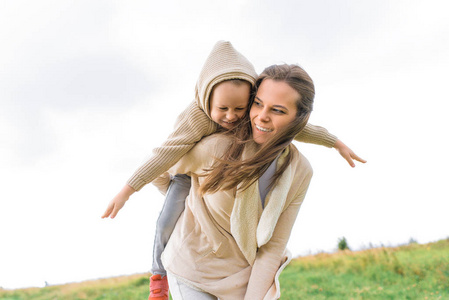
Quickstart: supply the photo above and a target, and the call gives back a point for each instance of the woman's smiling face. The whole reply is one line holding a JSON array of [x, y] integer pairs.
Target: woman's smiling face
[[274, 108]]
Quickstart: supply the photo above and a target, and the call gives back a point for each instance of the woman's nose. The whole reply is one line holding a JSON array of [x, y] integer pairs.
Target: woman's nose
[[263, 115]]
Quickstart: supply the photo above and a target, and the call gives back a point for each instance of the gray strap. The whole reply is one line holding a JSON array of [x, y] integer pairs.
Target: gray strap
[[264, 180]]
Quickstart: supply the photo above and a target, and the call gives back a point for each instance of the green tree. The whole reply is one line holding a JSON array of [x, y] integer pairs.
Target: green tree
[[343, 244]]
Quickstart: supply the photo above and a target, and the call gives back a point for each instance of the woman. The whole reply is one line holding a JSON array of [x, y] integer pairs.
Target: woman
[[230, 242]]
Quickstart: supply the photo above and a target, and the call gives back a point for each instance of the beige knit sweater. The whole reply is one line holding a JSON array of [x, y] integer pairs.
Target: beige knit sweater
[[223, 63], [225, 243]]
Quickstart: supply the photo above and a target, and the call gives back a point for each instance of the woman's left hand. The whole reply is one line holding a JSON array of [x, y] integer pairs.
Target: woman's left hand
[[347, 153]]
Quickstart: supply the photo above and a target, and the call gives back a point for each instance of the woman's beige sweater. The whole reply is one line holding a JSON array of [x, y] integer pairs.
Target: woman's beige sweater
[[223, 63], [225, 243]]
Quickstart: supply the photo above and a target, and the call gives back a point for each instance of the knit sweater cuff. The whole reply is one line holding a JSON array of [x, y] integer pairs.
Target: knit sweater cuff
[[136, 182], [316, 135]]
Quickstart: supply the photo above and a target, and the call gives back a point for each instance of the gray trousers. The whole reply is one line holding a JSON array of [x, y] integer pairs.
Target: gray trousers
[[173, 207], [181, 291]]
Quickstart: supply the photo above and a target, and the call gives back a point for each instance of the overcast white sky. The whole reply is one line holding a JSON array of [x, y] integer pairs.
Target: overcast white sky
[[89, 88]]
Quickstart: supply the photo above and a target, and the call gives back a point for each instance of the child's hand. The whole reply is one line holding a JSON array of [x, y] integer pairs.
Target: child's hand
[[118, 202], [347, 153]]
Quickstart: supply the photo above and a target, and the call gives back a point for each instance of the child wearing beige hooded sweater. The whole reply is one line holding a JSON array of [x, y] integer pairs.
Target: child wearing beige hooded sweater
[[221, 99]]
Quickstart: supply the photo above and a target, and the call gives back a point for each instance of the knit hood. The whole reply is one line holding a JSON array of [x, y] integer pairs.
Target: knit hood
[[223, 63]]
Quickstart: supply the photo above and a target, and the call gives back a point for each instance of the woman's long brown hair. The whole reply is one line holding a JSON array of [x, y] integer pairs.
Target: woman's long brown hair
[[230, 170]]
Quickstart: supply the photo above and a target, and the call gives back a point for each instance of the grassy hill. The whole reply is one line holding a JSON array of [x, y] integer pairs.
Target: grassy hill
[[408, 272]]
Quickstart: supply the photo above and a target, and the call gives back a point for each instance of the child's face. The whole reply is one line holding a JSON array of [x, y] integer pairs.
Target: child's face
[[229, 102]]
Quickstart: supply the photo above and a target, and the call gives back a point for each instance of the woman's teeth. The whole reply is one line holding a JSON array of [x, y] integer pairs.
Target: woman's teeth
[[263, 129]]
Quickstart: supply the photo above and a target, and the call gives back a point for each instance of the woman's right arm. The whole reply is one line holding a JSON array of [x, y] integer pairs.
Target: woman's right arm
[[269, 256]]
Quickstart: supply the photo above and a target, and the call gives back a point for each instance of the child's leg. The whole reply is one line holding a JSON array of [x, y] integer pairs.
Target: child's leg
[[181, 291], [173, 207]]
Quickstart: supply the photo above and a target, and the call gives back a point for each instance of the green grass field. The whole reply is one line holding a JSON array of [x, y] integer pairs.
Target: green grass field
[[408, 272]]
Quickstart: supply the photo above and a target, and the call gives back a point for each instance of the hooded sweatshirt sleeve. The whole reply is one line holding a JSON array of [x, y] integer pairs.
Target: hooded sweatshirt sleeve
[[316, 135], [193, 124], [223, 63]]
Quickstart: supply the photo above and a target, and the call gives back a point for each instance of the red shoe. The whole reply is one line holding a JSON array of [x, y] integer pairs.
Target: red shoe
[[158, 288]]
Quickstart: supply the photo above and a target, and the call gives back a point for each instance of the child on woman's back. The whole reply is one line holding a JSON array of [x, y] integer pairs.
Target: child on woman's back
[[222, 96]]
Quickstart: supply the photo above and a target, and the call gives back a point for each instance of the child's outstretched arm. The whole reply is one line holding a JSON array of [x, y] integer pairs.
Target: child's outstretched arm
[[118, 201], [320, 136], [347, 153], [316, 135], [192, 125]]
